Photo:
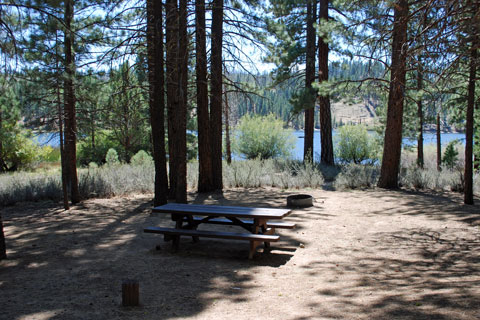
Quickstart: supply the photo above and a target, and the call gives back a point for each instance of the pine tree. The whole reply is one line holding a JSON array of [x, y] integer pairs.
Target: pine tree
[[309, 79], [171, 31], [473, 31], [181, 113], [205, 170], [216, 80], [69, 105], [393, 133], [326, 143], [156, 97]]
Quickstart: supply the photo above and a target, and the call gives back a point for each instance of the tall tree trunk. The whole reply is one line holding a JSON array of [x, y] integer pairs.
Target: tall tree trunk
[[468, 190], [309, 79], [228, 144], [205, 173], [393, 133], [172, 88], [3, 247], [157, 97], [69, 102], [60, 129], [3, 165], [439, 143], [325, 115], [181, 121], [420, 159], [216, 93], [62, 146]]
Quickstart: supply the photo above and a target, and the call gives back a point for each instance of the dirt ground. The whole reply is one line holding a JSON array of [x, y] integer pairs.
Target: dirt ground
[[354, 255]]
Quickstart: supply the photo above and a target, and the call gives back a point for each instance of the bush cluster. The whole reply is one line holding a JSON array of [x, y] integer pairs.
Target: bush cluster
[[262, 137], [138, 177], [283, 174], [353, 144]]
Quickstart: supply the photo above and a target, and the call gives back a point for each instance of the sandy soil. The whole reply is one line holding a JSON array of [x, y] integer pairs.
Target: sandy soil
[[354, 255]]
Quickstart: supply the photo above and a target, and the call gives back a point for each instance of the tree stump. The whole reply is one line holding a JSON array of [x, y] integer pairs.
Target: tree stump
[[130, 293]]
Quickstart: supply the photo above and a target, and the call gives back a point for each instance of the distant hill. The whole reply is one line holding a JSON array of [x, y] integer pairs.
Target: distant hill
[[354, 113]]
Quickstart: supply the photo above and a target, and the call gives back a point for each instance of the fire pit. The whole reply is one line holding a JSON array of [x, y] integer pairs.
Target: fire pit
[[300, 201]]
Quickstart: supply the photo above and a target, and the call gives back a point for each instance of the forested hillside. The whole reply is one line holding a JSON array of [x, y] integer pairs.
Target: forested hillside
[[271, 96]]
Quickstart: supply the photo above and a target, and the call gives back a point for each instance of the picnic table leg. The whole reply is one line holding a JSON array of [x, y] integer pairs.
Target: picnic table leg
[[191, 222], [259, 225], [266, 230], [253, 248], [176, 239]]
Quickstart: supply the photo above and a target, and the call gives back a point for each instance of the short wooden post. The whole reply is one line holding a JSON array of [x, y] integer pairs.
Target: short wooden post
[[130, 293]]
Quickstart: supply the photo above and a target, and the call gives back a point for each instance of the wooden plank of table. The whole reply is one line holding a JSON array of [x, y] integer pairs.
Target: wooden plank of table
[[222, 221], [224, 211], [269, 236]]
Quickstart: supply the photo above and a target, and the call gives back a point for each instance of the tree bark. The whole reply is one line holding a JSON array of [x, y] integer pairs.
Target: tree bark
[[3, 164], [157, 97], [468, 176], [62, 145], [69, 104], [216, 93], [172, 88], [439, 143], [420, 159], [3, 247], [309, 79], [228, 144], [181, 114], [393, 133], [205, 173], [325, 114]]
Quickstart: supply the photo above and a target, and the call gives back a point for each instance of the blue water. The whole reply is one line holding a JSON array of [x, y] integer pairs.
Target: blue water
[[47, 139], [52, 139], [428, 138]]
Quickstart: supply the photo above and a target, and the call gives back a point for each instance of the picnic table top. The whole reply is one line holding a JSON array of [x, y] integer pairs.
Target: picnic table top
[[224, 211]]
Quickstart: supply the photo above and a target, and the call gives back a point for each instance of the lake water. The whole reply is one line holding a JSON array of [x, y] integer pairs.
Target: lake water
[[47, 139], [428, 138], [297, 153]]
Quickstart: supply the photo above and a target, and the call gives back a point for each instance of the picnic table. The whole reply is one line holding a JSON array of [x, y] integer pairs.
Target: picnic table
[[256, 221]]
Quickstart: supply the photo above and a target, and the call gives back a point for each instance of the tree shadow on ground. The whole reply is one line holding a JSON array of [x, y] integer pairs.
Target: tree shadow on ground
[[418, 271], [70, 264], [439, 282], [440, 206]]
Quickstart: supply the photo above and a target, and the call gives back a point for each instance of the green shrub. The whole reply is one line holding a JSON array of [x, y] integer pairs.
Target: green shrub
[[92, 165], [141, 158], [262, 137], [192, 146], [450, 156], [86, 153], [48, 154], [353, 144], [18, 151], [111, 157]]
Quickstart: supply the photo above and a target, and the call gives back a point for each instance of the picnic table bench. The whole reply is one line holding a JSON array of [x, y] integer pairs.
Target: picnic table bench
[[257, 221]]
